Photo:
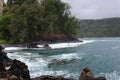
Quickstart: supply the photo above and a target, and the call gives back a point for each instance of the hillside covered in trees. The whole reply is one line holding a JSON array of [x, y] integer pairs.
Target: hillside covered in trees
[[108, 27], [37, 20]]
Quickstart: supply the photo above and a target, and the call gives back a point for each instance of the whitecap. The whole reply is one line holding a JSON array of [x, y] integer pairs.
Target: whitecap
[[111, 76], [34, 64], [54, 46], [67, 45], [64, 73], [13, 48], [107, 40], [69, 56]]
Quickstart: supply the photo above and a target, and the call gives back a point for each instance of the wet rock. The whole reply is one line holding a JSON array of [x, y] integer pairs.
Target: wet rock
[[86, 74], [3, 74], [57, 62], [20, 70], [13, 77], [48, 77], [1, 48], [46, 46], [61, 62], [2, 79], [10, 67], [4, 60], [100, 78], [2, 67], [32, 45]]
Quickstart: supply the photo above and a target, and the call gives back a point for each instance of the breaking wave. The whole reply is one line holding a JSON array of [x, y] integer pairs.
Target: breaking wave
[[111, 76]]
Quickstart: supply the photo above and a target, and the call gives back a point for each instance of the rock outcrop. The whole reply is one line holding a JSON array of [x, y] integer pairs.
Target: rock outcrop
[[4, 60], [17, 70], [20, 70], [87, 74]]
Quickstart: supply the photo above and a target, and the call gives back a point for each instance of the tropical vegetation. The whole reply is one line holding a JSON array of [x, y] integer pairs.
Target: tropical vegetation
[[37, 20], [108, 27]]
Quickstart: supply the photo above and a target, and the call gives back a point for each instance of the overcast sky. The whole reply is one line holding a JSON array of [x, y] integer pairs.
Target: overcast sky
[[94, 9]]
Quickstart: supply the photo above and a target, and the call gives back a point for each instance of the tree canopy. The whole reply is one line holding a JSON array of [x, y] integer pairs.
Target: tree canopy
[[108, 27], [33, 20]]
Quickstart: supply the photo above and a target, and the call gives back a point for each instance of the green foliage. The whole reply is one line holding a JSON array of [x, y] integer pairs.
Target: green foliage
[[3, 41], [32, 20], [4, 22], [101, 28], [19, 33]]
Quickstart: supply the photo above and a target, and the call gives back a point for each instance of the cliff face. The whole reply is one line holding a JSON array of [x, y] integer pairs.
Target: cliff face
[[1, 7]]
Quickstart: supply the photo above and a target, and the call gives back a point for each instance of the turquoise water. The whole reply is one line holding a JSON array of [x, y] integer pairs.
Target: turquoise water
[[101, 55]]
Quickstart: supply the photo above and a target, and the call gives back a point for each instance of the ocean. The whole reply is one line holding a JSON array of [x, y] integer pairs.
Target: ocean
[[101, 55]]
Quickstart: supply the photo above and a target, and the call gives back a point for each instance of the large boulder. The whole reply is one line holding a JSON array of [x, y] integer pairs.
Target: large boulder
[[2, 67], [13, 77], [20, 70], [1, 48], [4, 58], [4, 62], [86, 74]]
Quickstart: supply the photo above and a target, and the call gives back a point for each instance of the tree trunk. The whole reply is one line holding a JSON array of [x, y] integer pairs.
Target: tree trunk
[[1, 7]]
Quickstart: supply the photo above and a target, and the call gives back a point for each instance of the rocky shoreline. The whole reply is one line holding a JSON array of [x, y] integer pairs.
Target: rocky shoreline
[[33, 44], [17, 70]]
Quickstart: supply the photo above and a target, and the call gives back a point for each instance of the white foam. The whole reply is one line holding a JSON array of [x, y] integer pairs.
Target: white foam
[[111, 76], [54, 73], [54, 46], [34, 63], [7, 68], [67, 56], [26, 57], [107, 40], [18, 56], [66, 45], [13, 48], [38, 66]]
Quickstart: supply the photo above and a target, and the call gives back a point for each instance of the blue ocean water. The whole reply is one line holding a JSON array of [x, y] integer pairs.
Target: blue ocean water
[[101, 55]]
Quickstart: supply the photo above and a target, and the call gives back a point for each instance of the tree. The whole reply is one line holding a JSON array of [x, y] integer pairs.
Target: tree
[[4, 30], [108, 27], [34, 21], [1, 6]]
